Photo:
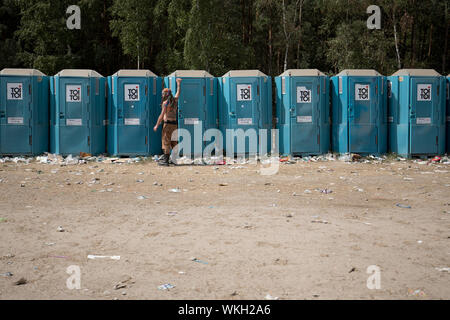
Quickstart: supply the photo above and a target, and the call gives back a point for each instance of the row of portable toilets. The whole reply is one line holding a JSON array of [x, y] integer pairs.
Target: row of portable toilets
[[370, 113]]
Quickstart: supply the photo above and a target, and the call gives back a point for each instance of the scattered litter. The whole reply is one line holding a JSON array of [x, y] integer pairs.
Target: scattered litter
[[175, 190], [60, 229], [58, 257], [420, 242], [50, 243], [142, 198], [403, 206], [93, 257], [139, 181], [325, 191], [307, 191], [124, 283], [199, 261], [443, 269], [320, 221], [223, 184], [417, 293], [436, 159], [85, 155], [6, 274], [235, 293], [166, 286], [20, 282], [3, 220], [181, 272], [269, 297], [352, 270], [172, 213]]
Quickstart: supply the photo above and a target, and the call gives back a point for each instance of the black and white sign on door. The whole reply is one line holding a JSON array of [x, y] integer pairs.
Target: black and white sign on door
[[362, 92], [73, 93], [131, 92], [303, 95], [14, 91], [424, 92], [244, 92]]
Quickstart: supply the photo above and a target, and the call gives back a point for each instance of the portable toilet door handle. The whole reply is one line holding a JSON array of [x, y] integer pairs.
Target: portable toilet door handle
[[61, 115], [232, 114]]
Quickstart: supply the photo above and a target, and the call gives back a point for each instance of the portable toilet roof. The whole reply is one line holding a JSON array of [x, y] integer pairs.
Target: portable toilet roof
[[134, 73], [359, 73], [417, 73], [302, 73], [244, 73], [21, 72], [191, 74], [82, 73]]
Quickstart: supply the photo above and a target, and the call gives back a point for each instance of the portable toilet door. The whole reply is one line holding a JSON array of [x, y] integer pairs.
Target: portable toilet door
[[78, 112], [359, 112], [303, 112], [132, 101], [23, 112], [245, 106], [448, 115], [417, 112], [197, 106]]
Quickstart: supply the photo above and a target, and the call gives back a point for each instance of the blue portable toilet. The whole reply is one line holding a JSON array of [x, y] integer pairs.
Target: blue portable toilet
[[24, 112], [77, 112], [197, 105], [245, 111], [134, 98], [448, 115], [303, 112], [359, 112], [417, 112]]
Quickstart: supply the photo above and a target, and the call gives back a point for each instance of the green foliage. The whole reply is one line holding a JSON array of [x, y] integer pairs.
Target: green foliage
[[218, 36]]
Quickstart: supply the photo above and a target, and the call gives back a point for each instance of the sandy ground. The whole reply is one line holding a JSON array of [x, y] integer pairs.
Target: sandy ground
[[257, 235]]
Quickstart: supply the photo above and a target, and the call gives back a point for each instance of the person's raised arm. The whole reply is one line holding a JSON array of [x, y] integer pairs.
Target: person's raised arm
[[177, 95]]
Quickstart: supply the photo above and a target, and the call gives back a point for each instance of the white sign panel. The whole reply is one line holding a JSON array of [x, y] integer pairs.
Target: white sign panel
[[131, 92], [245, 121], [304, 119], [74, 122], [191, 121], [132, 121], [362, 92], [73, 93], [15, 120], [423, 120], [244, 92], [424, 92], [14, 91], [303, 95]]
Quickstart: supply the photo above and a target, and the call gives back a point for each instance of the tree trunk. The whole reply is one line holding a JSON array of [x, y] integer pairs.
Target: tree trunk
[[300, 15], [270, 49], [445, 53], [430, 40], [286, 36], [399, 63]]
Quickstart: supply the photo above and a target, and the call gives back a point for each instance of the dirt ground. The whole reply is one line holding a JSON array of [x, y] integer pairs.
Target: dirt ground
[[253, 235]]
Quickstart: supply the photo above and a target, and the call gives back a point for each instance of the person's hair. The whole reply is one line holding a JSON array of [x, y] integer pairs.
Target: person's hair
[[167, 97]]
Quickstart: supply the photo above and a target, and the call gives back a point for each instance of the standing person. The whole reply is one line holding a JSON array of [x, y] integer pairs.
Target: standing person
[[169, 114]]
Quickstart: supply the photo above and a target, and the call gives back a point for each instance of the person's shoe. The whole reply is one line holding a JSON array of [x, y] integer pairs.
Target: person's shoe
[[164, 160]]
